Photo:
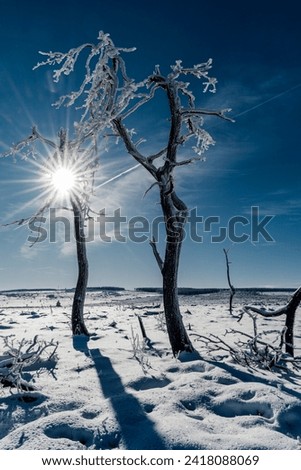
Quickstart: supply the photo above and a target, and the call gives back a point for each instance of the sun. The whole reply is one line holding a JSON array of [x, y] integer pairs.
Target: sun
[[63, 180]]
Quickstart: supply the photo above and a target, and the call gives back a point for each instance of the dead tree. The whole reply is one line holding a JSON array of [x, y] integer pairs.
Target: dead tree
[[109, 96], [289, 310], [174, 210], [231, 287]]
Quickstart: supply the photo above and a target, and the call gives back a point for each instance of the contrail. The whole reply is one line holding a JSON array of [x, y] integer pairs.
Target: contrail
[[268, 100], [118, 176]]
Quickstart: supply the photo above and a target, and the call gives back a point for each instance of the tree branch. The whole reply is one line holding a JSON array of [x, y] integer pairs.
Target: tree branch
[[159, 154], [186, 113], [143, 98], [266, 313], [188, 161], [153, 244], [132, 149], [38, 136], [24, 221], [150, 188]]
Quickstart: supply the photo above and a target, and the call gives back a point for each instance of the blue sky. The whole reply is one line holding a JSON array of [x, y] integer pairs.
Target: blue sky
[[255, 47]]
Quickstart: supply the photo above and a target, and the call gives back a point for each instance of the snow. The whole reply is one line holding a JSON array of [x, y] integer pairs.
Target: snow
[[115, 392]]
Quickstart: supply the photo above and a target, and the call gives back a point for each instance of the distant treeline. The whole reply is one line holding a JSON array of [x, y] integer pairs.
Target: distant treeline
[[196, 291], [72, 289], [27, 290], [99, 289], [181, 290]]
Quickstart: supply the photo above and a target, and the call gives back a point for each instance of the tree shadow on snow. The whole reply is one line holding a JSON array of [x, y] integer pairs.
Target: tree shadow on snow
[[245, 376], [137, 430]]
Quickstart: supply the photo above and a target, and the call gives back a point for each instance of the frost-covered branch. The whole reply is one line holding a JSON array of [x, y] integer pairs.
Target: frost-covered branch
[[37, 217], [108, 93], [22, 356], [139, 351], [266, 313], [199, 71], [249, 351]]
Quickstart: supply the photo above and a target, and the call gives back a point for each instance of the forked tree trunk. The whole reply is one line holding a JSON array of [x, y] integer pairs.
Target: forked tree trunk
[[77, 318], [290, 321], [175, 216]]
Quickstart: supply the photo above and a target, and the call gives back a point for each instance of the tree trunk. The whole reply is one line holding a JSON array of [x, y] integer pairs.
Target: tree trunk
[[178, 337], [231, 287], [77, 319], [174, 211], [290, 320]]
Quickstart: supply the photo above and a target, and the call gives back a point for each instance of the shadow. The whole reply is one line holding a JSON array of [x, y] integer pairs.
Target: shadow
[[137, 430], [245, 376], [10, 406]]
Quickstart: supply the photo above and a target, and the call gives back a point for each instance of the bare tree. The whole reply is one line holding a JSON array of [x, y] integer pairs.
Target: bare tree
[[231, 287], [82, 163], [289, 310], [111, 96]]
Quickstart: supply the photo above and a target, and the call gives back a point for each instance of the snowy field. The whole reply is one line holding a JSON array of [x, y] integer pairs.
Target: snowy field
[[116, 391]]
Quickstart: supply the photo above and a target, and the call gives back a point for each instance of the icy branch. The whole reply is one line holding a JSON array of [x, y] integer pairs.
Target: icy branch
[[249, 351], [22, 356], [199, 71], [266, 313], [106, 90], [32, 218], [109, 94]]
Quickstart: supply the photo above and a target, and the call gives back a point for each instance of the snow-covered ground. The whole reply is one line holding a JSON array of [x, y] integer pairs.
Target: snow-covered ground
[[114, 391]]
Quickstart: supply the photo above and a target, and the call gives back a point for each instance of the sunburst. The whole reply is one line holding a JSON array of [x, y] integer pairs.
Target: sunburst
[[55, 178], [63, 180]]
